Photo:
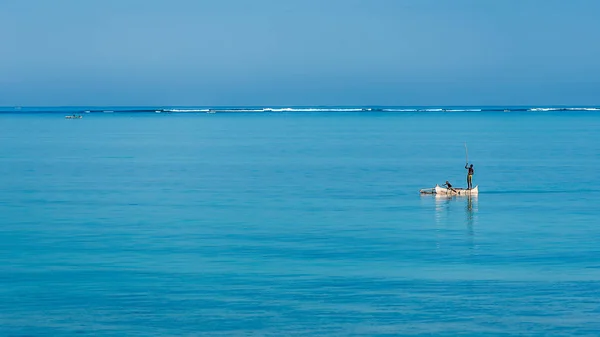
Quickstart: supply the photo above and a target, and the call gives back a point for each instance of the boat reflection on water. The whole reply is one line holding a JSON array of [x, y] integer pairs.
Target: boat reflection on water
[[444, 203], [447, 214], [470, 211]]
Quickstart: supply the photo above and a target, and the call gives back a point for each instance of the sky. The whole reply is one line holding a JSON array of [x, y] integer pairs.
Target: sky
[[299, 52]]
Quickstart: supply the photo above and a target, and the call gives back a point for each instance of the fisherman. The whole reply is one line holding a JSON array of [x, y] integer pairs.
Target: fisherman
[[449, 186], [469, 176]]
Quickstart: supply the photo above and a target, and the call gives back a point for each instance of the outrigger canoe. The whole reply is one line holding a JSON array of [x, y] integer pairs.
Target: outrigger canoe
[[455, 191]]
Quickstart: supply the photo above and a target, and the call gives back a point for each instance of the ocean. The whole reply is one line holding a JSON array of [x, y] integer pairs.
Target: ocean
[[299, 222]]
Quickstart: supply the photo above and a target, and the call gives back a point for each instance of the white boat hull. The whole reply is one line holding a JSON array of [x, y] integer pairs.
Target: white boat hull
[[455, 191]]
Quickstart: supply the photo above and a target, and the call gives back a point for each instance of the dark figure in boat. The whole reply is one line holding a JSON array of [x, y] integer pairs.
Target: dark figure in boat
[[469, 176], [449, 186]]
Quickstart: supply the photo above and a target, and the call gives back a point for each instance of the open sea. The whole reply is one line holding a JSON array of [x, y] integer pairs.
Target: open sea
[[299, 222]]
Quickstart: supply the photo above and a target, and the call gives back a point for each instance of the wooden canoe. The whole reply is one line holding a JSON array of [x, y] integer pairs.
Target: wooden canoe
[[456, 191]]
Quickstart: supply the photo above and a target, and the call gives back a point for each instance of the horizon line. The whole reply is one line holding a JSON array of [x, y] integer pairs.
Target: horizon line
[[307, 106]]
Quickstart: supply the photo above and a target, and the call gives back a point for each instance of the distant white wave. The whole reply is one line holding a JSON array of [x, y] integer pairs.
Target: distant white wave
[[291, 110], [585, 109], [565, 109], [431, 110], [186, 110], [236, 110], [544, 109], [314, 109]]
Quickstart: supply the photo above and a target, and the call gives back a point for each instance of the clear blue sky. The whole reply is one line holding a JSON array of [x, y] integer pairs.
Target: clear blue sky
[[299, 52]]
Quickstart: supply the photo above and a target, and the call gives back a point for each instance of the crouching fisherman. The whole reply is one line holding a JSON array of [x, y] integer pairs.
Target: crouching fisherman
[[449, 186]]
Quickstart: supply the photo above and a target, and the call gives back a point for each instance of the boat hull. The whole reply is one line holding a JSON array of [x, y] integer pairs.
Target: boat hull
[[455, 191]]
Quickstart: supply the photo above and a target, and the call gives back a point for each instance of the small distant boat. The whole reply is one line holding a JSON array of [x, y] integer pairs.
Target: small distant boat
[[454, 191], [74, 117]]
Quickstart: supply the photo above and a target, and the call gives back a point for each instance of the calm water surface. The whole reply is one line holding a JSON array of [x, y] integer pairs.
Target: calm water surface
[[299, 224]]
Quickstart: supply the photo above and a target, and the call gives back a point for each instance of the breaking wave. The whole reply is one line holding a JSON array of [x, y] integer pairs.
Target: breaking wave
[[179, 110], [565, 109], [185, 110]]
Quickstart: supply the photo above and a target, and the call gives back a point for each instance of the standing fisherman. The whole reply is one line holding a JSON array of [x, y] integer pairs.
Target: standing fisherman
[[470, 168], [469, 176]]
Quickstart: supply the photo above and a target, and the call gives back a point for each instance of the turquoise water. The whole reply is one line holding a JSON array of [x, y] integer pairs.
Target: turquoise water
[[299, 224]]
